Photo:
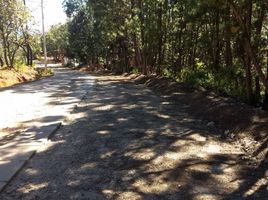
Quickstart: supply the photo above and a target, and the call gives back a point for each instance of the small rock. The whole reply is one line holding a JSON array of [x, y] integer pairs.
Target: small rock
[[216, 169]]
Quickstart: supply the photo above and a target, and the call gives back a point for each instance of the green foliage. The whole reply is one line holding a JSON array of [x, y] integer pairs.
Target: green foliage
[[224, 81], [194, 77], [57, 41], [20, 66], [197, 41], [44, 72], [168, 73], [135, 70], [198, 76], [13, 19], [35, 43]]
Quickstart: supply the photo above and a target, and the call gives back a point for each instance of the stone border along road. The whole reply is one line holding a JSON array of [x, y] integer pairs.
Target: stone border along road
[[31, 113]]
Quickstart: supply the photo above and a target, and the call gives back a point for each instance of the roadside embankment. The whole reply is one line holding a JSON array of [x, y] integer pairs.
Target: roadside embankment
[[9, 77], [236, 121]]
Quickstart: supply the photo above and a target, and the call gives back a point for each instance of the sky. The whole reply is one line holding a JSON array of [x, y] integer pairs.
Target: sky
[[53, 12]]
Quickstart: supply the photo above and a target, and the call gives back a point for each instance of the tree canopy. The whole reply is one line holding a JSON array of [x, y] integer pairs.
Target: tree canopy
[[215, 43], [13, 34], [57, 41]]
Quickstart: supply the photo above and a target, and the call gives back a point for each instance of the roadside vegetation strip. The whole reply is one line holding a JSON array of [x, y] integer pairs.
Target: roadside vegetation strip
[[10, 77]]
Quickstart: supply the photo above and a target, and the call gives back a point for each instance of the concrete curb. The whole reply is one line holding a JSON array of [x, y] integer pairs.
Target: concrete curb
[[15, 155], [4, 184], [18, 164], [22, 163], [54, 131]]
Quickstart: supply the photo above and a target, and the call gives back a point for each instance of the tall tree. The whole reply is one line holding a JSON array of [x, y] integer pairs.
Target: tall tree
[[216, 43], [12, 22]]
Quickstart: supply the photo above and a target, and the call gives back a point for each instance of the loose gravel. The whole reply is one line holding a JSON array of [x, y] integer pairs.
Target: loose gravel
[[125, 142]]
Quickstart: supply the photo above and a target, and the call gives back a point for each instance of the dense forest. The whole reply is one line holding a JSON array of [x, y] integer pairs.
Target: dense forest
[[218, 44]]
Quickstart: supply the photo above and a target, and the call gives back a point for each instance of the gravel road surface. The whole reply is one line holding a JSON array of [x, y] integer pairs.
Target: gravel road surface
[[125, 142]]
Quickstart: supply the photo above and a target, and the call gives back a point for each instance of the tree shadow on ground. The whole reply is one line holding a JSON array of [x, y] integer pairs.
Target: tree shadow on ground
[[56, 94], [131, 144]]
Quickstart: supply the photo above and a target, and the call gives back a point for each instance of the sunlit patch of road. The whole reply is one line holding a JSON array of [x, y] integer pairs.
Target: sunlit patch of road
[[43, 101]]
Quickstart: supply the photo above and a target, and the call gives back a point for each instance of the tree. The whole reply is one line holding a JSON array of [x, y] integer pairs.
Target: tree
[[57, 41], [12, 28], [216, 43]]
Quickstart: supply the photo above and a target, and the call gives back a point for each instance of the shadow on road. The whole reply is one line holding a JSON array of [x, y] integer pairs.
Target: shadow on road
[[46, 100], [124, 142]]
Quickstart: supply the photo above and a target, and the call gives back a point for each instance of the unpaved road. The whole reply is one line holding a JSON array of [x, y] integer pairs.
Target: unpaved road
[[31, 112], [125, 142], [42, 101]]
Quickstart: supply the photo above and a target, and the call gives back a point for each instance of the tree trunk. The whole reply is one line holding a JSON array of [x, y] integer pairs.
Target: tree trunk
[[265, 102], [259, 25], [1, 62], [228, 48], [249, 90], [251, 55], [257, 89], [143, 56], [193, 53], [248, 59], [124, 48], [217, 50], [29, 55], [160, 38], [247, 44], [137, 52], [5, 49]]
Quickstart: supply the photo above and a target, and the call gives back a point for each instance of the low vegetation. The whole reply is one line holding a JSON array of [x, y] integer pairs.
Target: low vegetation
[[9, 77]]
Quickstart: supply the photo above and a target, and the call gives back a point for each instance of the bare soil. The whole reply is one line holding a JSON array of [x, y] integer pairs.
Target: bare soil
[[235, 120], [125, 141], [9, 77]]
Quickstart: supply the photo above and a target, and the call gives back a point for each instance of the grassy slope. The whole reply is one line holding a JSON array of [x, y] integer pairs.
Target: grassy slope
[[9, 77]]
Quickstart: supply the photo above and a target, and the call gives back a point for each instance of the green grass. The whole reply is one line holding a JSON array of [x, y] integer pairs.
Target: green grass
[[44, 72]]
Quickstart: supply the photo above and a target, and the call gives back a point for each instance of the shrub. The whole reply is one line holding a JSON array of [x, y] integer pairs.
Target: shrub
[[135, 70], [44, 72]]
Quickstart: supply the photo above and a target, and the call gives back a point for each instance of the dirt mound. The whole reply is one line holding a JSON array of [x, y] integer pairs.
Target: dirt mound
[[235, 120]]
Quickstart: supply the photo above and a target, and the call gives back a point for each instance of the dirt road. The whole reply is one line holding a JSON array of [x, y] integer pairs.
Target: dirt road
[[31, 112], [50, 97], [125, 142]]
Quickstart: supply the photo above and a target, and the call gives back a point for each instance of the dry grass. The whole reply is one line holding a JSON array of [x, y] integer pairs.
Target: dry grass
[[9, 77]]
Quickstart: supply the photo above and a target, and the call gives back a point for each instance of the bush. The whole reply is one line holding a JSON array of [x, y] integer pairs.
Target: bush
[[135, 70], [198, 76], [44, 72], [229, 81], [20, 66]]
